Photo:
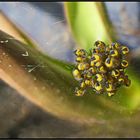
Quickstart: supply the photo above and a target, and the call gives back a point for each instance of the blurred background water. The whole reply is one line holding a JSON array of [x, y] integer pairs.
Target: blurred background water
[[125, 16], [45, 23]]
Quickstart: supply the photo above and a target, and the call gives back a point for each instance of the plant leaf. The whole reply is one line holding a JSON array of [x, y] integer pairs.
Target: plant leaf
[[88, 23], [48, 82]]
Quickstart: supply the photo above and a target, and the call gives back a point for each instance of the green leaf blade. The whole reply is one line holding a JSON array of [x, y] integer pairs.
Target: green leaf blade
[[87, 23]]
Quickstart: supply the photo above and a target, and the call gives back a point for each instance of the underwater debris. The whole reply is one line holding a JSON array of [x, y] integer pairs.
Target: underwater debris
[[102, 69], [26, 54]]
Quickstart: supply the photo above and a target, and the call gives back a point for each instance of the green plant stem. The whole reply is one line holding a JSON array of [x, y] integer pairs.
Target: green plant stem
[[88, 23], [50, 85]]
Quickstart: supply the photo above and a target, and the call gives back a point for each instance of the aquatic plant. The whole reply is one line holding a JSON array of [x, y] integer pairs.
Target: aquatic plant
[[49, 82]]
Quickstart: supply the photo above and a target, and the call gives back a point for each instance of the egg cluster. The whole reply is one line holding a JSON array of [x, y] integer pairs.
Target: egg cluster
[[102, 69]]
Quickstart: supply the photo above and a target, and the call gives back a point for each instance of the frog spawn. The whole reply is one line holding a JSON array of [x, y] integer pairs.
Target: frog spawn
[[102, 69]]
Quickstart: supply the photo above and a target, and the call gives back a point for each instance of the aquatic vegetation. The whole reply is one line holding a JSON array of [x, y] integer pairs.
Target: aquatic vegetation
[[49, 83]]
